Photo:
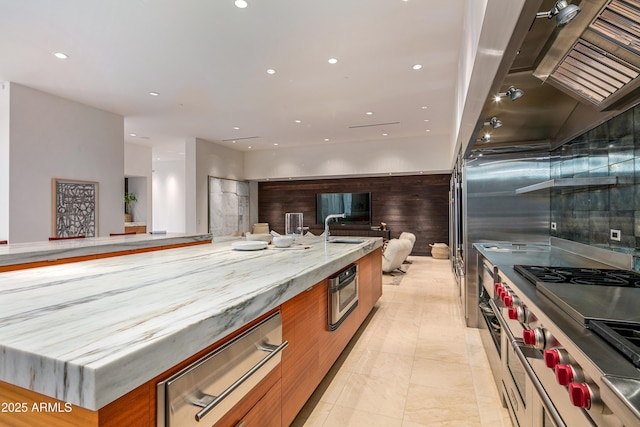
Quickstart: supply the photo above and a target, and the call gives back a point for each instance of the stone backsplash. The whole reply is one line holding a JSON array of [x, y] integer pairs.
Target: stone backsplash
[[588, 214]]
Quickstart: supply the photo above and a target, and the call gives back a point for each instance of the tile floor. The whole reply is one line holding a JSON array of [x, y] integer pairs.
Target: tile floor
[[412, 364]]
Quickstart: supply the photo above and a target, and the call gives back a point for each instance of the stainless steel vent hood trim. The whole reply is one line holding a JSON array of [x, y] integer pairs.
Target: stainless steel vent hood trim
[[619, 22], [564, 38], [593, 73], [596, 58]]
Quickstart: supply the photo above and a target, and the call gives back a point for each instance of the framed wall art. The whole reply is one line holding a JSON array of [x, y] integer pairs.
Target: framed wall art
[[74, 208]]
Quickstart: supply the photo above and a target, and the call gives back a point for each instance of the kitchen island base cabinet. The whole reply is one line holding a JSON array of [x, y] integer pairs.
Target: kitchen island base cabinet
[[313, 348]]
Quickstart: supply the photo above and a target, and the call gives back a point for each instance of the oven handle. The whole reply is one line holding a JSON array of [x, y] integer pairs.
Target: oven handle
[[342, 285], [214, 401], [548, 405], [487, 269]]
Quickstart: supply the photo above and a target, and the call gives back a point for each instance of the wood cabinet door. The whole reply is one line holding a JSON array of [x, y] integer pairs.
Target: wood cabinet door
[[267, 412], [300, 366]]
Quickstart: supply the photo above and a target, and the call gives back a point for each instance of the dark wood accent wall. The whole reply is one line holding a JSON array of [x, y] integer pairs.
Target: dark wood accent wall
[[417, 203]]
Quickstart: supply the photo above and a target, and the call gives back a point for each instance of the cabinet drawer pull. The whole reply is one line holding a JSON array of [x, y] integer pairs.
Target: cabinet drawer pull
[[208, 402]]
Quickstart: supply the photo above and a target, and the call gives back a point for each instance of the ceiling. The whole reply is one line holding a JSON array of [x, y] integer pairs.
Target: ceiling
[[208, 62]]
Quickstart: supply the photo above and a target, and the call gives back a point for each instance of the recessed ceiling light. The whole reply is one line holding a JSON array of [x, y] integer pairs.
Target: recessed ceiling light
[[154, 93], [426, 120], [326, 140], [233, 142], [424, 107], [132, 134], [249, 147], [298, 121], [369, 113], [428, 130], [417, 66], [236, 128], [271, 71], [333, 61], [385, 134], [60, 55], [240, 4], [275, 143]]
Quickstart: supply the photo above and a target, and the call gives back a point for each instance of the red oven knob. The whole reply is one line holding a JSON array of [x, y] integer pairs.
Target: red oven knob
[[580, 395], [518, 312], [555, 357], [529, 336], [507, 300], [496, 287], [566, 374], [540, 338]]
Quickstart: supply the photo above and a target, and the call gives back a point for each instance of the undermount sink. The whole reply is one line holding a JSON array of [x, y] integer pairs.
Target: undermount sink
[[352, 241]]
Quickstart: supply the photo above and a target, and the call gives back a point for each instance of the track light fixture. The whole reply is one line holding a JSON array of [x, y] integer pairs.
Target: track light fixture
[[512, 93], [485, 138], [563, 11], [493, 122]]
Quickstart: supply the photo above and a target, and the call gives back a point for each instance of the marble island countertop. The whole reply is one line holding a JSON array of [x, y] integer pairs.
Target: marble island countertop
[[23, 253], [89, 332]]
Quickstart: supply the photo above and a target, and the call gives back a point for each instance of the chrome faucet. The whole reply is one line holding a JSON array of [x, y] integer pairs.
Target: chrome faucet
[[326, 223]]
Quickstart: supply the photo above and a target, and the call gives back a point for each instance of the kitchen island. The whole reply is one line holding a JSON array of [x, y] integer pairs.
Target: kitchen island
[[37, 254], [89, 333]]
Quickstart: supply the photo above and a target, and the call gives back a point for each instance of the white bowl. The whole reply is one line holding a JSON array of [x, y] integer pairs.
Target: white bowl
[[282, 241], [264, 237]]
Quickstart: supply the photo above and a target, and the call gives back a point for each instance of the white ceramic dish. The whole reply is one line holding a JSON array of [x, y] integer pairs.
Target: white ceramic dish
[[250, 245], [282, 241]]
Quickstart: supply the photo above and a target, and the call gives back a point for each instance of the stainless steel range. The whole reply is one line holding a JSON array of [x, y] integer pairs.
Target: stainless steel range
[[570, 339]]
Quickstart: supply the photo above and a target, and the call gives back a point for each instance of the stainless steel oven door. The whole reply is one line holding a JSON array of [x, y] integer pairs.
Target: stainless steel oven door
[[343, 296]]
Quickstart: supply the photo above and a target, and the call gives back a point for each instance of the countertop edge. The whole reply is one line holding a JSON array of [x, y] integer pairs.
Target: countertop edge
[[14, 254]]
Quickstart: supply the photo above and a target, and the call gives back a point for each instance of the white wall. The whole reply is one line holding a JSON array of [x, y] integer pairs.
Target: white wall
[[212, 160], [138, 168], [51, 137], [168, 195], [401, 156], [4, 160]]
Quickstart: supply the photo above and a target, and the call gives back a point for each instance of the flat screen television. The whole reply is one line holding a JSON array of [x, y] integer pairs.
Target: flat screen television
[[357, 207]]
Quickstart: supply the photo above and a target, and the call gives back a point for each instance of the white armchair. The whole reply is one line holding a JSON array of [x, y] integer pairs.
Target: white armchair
[[395, 253], [409, 236]]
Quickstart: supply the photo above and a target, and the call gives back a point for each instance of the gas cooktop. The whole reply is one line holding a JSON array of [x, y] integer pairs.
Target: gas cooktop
[[603, 300], [580, 276]]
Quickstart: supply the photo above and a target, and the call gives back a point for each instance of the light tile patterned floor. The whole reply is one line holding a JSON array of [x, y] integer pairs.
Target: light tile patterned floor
[[413, 364]]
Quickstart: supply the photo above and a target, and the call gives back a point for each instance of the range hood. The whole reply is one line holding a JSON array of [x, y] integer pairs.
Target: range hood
[[596, 59], [573, 77]]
